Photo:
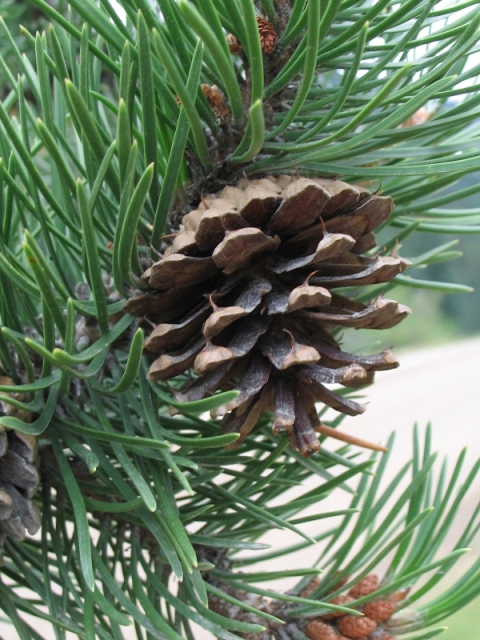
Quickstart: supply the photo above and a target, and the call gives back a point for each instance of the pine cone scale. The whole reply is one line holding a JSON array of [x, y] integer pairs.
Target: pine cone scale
[[306, 296], [255, 377], [284, 415], [178, 270], [303, 201], [168, 366], [305, 438], [16, 470], [238, 248], [174, 335], [253, 293], [24, 509], [220, 320]]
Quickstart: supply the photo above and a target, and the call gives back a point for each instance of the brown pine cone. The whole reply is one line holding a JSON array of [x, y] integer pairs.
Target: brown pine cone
[[19, 481], [245, 296]]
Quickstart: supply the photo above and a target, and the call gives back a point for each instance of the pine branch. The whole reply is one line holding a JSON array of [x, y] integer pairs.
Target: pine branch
[[120, 131]]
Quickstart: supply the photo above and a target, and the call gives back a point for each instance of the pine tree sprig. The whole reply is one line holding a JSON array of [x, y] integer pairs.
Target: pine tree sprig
[[118, 125]]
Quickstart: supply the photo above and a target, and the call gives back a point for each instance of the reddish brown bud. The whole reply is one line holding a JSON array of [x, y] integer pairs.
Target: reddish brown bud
[[318, 630], [364, 587], [268, 35], [355, 627], [380, 610]]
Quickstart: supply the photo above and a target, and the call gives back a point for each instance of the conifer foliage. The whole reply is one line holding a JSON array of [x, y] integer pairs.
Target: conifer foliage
[[189, 191]]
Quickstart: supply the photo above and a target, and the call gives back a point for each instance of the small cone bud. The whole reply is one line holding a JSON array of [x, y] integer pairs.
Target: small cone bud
[[355, 627], [365, 586], [318, 630], [379, 610], [268, 35]]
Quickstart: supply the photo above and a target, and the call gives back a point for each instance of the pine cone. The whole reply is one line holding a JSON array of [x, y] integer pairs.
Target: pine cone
[[245, 297], [18, 483]]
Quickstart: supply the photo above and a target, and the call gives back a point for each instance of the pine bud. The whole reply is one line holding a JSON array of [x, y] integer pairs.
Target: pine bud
[[318, 630], [380, 610], [268, 35], [355, 627], [340, 584], [364, 587]]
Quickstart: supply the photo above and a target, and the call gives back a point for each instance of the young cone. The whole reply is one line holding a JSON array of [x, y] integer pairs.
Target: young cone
[[245, 296], [376, 613]]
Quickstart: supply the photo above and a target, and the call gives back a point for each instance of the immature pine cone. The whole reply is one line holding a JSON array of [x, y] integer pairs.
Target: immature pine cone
[[268, 35], [318, 630], [341, 626], [245, 296], [365, 586], [355, 627]]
